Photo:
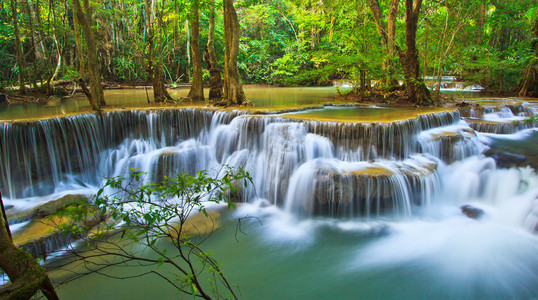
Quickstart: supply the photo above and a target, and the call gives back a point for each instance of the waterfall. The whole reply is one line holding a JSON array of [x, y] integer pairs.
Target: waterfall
[[504, 119], [41, 156], [336, 169]]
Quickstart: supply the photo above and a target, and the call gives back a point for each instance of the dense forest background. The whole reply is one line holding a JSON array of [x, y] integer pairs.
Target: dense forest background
[[281, 42]]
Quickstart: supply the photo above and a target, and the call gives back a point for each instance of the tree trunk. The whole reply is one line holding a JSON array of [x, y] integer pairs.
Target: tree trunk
[[154, 67], [233, 88], [84, 19], [443, 55], [188, 50], [481, 23], [529, 81], [426, 38], [215, 80], [25, 274], [416, 90], [18, 46], [36, 21], [58, 64], [78, 43], [391, 39], [35, 37], [197, 89], [387, 35]]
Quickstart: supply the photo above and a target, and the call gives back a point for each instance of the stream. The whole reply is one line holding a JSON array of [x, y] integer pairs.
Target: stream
[[346, 202]]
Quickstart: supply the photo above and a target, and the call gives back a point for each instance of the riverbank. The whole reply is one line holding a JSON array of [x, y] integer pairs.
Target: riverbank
[[64, 90]]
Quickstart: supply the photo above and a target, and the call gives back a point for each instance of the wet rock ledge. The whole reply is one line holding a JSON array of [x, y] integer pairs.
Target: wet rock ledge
[[42, 234]]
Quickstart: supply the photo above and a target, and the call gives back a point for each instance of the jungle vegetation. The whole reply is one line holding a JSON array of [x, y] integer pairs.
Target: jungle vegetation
[[277, 42]]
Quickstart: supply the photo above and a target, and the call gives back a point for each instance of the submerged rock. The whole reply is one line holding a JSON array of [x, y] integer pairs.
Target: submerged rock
[[472, 212], [507, 160], [200, 223]]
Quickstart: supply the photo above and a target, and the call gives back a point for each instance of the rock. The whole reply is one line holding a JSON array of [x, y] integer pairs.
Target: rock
[[462, 104], [44, 245], [471, 211], [495, 127], [47, 209], [45, 234], [52, 207], [94, 217], [247, 103], [237, 193], [506, 160], [8, 207], [42, 236], [369, 190], [200, 224]]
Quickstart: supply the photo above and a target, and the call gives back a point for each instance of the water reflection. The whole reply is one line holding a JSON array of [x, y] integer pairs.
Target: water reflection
[[263, 97]]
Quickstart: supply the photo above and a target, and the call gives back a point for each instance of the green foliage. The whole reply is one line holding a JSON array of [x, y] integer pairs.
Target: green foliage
[[153, 203], [71, 74], [126, 69], [486, 67], [284, 42], [154, 217]]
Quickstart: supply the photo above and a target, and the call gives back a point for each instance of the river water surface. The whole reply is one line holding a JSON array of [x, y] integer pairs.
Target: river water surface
[[347, 202]]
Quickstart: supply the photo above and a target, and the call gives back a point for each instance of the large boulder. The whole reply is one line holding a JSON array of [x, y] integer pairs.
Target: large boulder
[[450, 143], [368, 191]]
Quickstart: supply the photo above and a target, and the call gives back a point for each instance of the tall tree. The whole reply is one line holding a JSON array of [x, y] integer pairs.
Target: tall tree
[[83, 17], [233, 88], [387, 34], [416, 90], [154, 65], [529, 83], [18, 46], [215, 80], [456, 16], [26, 275], [36, 40], [197, 89]]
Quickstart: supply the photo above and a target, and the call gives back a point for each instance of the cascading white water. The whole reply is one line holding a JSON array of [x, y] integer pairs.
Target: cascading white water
[[376, 199], [505, 119], [272, 149], [307, 167]]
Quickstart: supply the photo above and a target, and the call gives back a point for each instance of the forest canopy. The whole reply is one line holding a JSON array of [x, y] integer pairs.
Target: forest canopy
[[281, 42]]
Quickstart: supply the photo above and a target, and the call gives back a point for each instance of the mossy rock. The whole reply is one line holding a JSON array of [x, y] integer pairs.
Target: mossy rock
[[47, 209], [44, 235]]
